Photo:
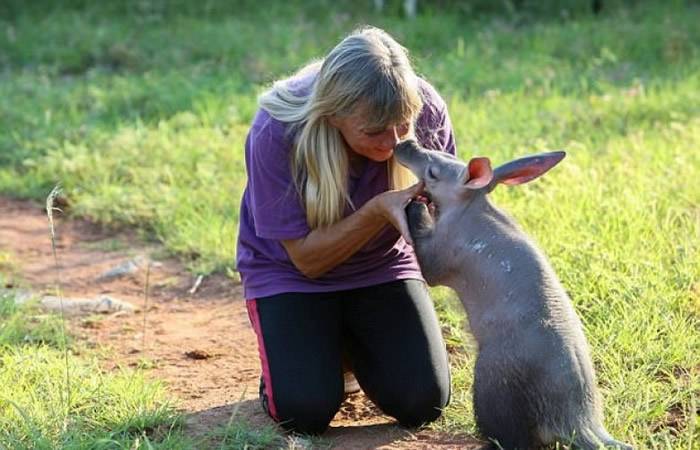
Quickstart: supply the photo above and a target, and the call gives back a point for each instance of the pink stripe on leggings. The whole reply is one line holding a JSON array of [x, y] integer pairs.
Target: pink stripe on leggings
[[252, 306]]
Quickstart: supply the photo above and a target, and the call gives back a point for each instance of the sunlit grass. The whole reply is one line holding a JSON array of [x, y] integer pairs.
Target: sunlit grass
[[39, 410], [622, 229]]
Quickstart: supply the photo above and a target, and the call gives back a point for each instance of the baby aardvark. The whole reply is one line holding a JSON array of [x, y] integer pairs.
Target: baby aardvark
[[534, 382]]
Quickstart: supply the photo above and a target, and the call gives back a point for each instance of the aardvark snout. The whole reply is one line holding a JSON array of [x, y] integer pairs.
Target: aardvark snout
[[411, 155]]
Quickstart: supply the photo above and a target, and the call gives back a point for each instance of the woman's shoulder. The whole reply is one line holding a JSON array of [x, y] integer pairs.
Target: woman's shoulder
[[264, 123], [431, 97], [433, 127], [302, 82], [268, 136], [434, 110], [299, 84]]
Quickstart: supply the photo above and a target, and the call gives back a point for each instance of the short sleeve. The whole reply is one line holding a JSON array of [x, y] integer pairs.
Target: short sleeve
[[274, 203], [433, 126]]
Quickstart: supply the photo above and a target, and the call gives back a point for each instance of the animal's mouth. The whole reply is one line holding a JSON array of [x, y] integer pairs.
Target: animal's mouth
[[424, 197]]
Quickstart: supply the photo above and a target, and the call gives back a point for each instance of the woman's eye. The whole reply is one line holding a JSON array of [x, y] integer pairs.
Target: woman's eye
[[401, 130]]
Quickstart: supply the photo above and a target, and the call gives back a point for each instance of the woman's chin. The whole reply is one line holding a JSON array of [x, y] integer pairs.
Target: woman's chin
[[382, 155]]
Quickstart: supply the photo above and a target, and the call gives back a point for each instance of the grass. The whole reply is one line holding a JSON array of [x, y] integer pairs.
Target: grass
[[99, 410], [141, 111], [238, 434], [38, 410], [9, 272]]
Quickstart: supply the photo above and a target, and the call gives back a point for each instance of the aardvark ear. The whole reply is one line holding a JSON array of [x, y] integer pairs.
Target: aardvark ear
[[478, 173], [526, 169]]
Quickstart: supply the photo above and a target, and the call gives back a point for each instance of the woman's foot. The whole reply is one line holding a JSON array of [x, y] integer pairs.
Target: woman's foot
[[351, 384]]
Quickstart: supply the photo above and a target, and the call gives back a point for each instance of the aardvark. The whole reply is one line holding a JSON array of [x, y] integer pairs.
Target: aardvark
[[534, 382]]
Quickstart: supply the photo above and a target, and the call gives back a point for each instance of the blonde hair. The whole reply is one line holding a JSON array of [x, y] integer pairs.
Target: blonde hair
[[368, 68]]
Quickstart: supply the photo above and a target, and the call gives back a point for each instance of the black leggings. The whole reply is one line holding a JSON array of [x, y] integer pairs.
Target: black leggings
[[389, 333]]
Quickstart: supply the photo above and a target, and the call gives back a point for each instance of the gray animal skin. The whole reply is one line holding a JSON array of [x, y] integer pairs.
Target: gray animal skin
[[534, 382]]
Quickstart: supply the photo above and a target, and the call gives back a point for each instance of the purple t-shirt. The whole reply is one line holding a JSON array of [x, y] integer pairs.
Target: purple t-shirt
[[272, 211]]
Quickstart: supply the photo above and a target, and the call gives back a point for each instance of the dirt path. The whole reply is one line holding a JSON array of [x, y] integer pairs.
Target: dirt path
[[201, 344]]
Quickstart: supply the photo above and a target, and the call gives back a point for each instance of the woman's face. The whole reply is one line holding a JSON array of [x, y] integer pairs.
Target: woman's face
[[365, 139]]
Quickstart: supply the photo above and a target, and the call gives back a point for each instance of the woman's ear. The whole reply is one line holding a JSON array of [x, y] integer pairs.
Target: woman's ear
[[334, 121]]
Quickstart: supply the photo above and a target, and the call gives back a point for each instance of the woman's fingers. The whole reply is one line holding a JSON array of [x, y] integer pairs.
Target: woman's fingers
[[402, 226], [416, 189], [396, 215], [393, 207], [411, 192], [399, 215]]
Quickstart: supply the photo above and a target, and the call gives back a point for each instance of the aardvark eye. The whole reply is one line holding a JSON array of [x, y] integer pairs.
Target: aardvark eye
[[433, 173]]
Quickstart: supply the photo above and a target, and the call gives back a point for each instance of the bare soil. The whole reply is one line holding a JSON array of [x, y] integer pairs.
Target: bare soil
[[201, 344]]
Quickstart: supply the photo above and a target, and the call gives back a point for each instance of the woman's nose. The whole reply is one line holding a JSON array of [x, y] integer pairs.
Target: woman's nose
[[392, 138]]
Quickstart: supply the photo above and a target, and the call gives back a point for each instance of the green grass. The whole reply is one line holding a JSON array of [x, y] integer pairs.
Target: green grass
[[140, 111], [46, 404], [239, 434]]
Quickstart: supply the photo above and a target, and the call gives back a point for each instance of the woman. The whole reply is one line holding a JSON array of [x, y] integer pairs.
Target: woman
[[324, 250]]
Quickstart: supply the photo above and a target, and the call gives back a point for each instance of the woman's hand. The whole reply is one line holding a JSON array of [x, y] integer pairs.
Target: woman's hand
[[325, 248], [391, 206]]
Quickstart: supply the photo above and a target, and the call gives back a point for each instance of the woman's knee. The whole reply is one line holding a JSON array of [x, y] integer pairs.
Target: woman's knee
[[413, 408], [421, 412], [309, 414]]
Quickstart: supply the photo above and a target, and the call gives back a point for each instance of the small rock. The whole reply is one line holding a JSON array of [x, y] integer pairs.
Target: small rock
[[125, 268], [75, 306], [91, 324], [198, 354], [20, 295]]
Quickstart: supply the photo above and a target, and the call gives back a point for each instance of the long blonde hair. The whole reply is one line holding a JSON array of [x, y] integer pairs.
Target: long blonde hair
[[367, 68]]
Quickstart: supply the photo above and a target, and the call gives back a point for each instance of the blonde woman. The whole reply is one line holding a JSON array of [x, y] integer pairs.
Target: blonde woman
[[324, 250]]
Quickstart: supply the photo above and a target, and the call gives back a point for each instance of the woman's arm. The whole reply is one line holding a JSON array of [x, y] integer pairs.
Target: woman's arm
[[323, 249]]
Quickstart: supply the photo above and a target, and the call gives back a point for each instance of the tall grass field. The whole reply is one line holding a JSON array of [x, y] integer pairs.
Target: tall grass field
[[140, 109]]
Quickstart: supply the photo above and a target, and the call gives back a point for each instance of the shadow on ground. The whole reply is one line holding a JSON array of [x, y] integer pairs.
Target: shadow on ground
[[381, 435]]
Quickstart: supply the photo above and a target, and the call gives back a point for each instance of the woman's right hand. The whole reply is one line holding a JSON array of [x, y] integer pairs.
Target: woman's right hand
[[391, 205]]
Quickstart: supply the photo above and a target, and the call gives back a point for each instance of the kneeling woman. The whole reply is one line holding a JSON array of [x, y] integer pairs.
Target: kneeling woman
[[324, 250]]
